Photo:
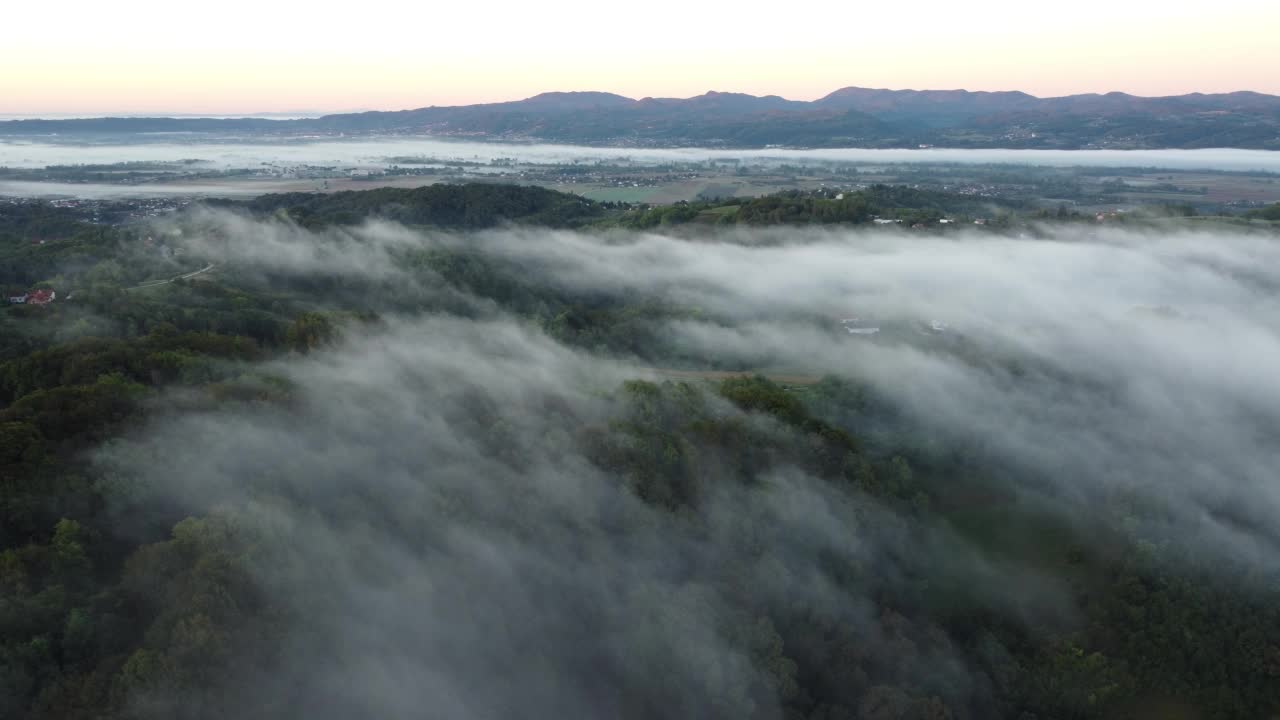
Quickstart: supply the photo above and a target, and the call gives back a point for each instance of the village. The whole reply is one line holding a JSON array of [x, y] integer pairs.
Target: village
[[41, 296]]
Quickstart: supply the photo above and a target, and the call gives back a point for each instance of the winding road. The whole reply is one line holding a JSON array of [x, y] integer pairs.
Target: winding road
[[153, 283]]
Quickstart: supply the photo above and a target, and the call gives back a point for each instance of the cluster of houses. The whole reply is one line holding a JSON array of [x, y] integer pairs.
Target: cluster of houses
[[858, 326], [34, 297], [862, 326], [921, 225]]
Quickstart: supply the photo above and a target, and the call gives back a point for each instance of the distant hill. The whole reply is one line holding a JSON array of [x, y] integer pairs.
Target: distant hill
[[848, 117]]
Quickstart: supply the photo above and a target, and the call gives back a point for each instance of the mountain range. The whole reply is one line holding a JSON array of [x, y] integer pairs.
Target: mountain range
[[849, 117]]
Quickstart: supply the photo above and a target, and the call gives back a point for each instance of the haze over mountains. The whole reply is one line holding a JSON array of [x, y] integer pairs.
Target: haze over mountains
[[849, 117]]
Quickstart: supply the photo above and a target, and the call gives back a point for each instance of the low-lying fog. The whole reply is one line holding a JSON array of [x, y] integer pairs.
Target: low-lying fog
[[429, 569], [241, 153], [1098, 358], [108, 191]]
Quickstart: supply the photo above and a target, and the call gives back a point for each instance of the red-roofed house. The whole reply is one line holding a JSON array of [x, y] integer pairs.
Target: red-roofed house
[[41, 297]]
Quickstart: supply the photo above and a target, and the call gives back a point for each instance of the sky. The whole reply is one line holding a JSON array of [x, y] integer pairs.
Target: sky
[[242, 56]]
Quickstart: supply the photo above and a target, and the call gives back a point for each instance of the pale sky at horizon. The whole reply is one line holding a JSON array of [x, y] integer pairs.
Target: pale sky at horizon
[[133, 56]]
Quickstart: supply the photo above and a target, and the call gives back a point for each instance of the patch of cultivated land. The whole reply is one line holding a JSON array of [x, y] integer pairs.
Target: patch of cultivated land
[[613, 194], [1201, 187]]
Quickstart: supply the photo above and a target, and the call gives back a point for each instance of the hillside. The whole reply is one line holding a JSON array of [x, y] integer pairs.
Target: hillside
[[849, 117], [353, 446]]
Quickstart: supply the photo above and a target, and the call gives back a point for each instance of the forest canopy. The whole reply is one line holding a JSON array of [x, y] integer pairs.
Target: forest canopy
[[494, 451]]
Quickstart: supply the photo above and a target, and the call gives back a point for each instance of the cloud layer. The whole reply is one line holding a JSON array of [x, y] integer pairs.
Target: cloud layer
[[444, 544]]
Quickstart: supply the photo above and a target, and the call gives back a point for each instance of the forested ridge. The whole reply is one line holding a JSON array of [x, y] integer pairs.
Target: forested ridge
[[121, 598], [479, 206], [848, 117]]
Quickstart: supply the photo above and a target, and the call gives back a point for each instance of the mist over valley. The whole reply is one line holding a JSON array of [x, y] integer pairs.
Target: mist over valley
[[873, 404]]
